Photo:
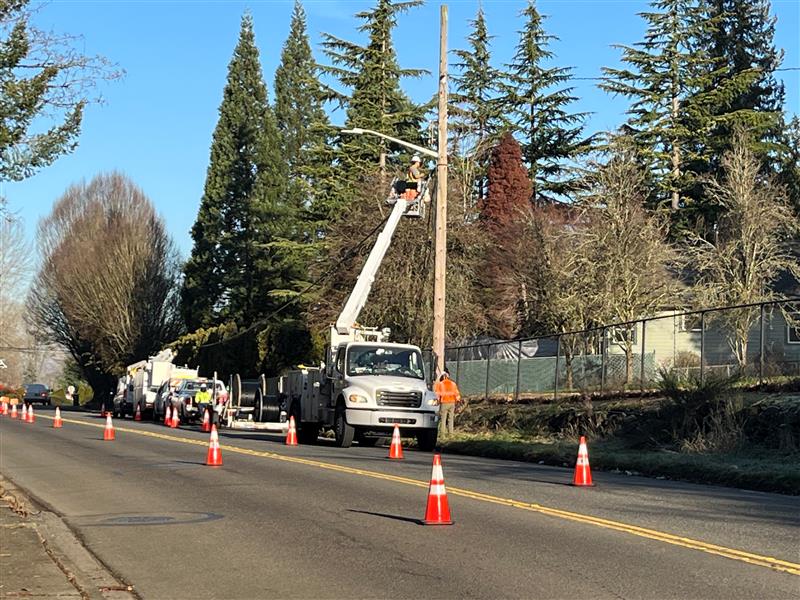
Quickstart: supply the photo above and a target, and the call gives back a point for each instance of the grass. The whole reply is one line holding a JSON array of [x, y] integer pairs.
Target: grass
[[766, 472], [632, 435]]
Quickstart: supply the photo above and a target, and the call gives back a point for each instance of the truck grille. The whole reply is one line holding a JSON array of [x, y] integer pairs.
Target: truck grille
[[406, 399]]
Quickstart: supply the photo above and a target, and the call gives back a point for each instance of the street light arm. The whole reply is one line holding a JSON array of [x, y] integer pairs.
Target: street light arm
[[420, 149]]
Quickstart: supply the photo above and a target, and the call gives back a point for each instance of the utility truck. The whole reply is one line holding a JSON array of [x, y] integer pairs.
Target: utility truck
[[145, 377], [365, 386]]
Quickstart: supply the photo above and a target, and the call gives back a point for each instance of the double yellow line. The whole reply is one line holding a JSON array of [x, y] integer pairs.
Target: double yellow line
[[747, 557]]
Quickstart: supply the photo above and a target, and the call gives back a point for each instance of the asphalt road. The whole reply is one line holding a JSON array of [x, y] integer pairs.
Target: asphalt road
[[322, 522]]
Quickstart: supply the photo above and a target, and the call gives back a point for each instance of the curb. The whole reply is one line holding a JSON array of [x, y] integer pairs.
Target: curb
[[91, 579]]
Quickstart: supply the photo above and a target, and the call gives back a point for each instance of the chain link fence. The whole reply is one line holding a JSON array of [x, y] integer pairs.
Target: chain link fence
[[759, 341]]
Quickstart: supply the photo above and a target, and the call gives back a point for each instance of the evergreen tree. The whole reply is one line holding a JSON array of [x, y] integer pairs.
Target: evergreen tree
[[506, 208], [476, 114], [789, 163], [298, 96], [674, 104], [509, 187], [45, 85], [742, 44], [372, 76], [235, 272], [551, 136], [304, 128]]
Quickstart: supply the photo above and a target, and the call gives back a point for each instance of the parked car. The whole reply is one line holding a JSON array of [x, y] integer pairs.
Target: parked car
[[37, 392], [121, 401], [180, 394]]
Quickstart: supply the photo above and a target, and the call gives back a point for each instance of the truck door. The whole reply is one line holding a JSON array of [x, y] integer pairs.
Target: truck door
[[338, 375]]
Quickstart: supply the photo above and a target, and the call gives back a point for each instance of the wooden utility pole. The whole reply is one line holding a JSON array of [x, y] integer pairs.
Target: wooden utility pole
[[440, 258]]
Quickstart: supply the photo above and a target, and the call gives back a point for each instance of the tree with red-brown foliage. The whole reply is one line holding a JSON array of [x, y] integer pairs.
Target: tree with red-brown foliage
[[509, 196], [504, 211]]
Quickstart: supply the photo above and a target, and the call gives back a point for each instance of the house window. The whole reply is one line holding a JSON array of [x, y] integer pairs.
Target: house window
[[691, 323], [793, 328], [622, 335]]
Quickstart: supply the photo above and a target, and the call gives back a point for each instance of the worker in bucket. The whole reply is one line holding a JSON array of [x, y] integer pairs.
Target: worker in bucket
[[447, 392], [413, 178]]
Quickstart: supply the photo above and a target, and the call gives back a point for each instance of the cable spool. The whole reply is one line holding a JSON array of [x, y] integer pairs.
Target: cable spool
[[244, 392], [267, 406]]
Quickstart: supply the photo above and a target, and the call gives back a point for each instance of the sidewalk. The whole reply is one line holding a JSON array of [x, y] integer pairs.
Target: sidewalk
[[40, 558]]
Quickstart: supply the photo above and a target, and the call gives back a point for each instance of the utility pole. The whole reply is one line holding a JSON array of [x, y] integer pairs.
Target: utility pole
[[440, 246]]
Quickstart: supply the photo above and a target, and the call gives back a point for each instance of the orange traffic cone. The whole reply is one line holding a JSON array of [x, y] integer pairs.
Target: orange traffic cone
[[583, 473], [206, 426], [108, 432], [396, 449], [214, 457], [3, 408], [438, 510], [168, 416], [24, 413], [291, 435], [14, 414], [31, 418], [137, 416], [176, 420], [103, 409], [57, 423]]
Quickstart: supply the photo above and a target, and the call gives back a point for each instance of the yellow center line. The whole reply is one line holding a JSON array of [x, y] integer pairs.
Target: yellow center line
[[775, 564]]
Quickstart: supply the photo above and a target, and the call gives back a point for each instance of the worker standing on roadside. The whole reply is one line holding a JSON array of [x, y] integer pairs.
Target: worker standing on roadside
[[203, 397], [413, 178], [447, 392]]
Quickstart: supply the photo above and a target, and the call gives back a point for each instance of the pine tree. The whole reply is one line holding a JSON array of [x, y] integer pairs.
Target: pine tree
[[476, 115], [673, 102], [551, 136], [234, 272], [742, 44], [372, 76]]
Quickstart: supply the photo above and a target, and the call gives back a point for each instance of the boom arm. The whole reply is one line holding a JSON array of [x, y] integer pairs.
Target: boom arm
[[358, 297]]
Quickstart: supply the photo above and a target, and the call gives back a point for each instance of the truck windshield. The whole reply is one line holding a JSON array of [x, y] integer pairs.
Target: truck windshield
[[378, 360]]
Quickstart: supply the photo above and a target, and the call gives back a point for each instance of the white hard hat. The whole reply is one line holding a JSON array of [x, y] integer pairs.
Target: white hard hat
[[415, 158]]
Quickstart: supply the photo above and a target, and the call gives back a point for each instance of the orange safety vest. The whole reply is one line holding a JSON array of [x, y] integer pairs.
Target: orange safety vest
[[447, 391]]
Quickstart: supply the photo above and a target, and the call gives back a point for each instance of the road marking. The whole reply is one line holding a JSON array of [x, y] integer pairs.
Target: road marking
[[775, 564]]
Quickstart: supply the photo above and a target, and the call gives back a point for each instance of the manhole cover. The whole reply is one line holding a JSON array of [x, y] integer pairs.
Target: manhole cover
[[145, 519]]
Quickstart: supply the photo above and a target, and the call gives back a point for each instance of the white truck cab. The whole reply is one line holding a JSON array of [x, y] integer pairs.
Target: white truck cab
[[377, 385]]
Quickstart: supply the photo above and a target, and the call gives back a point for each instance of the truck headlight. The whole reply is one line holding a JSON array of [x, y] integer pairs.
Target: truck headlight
[[432, 401], [358, 399]]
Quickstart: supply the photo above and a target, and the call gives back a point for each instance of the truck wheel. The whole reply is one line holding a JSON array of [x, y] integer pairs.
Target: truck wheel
[[426, 439], [344, 433]]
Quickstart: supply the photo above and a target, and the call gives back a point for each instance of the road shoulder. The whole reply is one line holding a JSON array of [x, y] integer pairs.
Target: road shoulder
[[42, 558]]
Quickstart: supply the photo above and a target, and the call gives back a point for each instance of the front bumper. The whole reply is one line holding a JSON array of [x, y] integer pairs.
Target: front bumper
[[383, 418]]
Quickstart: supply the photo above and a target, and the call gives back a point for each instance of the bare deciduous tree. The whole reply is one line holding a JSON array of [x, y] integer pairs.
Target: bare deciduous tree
[[15, 266], [46, 83], [107, 288], [401, 295], [756, 243], [546, 280], [626, 249]]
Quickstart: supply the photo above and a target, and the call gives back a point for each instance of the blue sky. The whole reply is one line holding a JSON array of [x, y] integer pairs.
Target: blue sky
[[156, 123]]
